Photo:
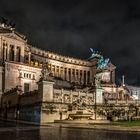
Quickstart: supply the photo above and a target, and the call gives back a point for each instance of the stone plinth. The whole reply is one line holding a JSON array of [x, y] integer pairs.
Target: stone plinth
[[45, 89], [99, 95]]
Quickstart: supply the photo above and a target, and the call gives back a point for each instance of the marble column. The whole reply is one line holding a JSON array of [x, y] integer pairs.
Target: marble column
[[79, 76], [67, 74], [5, 51], [63, 74], [74, 75], [29, 57], [71, 76], [8, 53], [15, 53], [59, 71], [56, 71], [53, 69], [82, 78], [65, 78], [86, 77]]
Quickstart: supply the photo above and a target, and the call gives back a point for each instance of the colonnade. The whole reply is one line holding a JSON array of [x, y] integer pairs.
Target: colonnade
[[11, 52], [70, 74]]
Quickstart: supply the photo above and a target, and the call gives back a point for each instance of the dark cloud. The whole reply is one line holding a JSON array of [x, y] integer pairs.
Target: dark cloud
[[71, 27]]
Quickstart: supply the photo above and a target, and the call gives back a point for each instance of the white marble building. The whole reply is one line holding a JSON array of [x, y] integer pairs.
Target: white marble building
[[21, 64]]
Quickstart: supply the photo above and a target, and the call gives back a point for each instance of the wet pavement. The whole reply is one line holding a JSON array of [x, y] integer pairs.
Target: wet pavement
[[15, 131]]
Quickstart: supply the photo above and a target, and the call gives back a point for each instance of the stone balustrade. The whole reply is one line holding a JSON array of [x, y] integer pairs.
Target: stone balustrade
[[123, 102], [69, 96]]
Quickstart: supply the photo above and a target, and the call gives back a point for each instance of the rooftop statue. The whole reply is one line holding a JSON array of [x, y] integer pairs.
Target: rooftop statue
[[7, 24], [94, 54], [102, 63]]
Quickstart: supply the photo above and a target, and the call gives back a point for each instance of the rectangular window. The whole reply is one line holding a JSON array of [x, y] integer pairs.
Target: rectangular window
[[30, 76], [26, 87]]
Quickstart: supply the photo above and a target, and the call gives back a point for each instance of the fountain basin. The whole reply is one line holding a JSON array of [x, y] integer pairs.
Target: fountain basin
[[80, 115]]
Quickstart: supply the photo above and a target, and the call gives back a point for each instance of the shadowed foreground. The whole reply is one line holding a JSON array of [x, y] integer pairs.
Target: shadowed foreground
[[10, 131]]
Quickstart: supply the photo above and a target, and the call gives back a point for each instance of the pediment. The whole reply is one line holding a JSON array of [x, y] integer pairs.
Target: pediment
[[16, 36]]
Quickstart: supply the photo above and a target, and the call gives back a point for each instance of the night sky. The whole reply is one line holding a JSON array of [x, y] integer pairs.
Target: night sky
[[71, 27]]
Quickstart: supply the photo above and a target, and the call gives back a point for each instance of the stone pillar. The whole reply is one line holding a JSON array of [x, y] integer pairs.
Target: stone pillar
[[45, 89], [29, 57], [5, 51], [79, 76], [86, 75], [63, 77], [62, 72], [54, 70], [74, 76], [58, 73], [82, 78], [99, 95], [50, 67], [71, 79], [22, 54], [8, 53], [15, 53], [67, 74]]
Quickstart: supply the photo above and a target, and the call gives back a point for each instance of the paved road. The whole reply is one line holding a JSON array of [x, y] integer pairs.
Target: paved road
[[13, 131]]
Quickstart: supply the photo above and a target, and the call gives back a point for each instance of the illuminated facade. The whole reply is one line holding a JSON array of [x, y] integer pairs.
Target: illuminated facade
[[21, 64]]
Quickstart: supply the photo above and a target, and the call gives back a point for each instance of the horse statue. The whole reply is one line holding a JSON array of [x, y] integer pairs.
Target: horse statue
[[102, 63]]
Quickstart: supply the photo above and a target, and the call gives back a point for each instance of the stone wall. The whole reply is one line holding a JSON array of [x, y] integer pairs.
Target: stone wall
[[31, 113], [19, 74], [39, 106]]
